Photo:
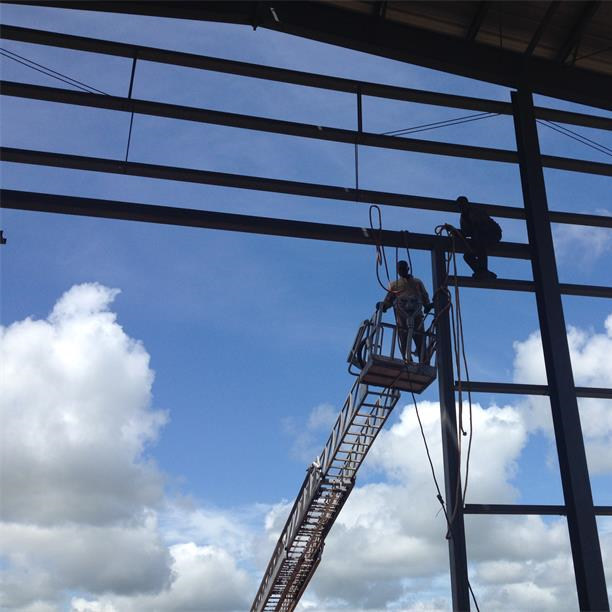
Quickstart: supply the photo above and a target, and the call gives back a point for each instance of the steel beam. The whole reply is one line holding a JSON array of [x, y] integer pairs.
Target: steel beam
[[528, 389], [450, 444], [541, 510], [479, 17], [257, 71], [264, 124], [535, 39], [288, 128], [332, 192], [511, 284], [294, 77], [588, 11], [338, 25], [584, 539], [189, 217]]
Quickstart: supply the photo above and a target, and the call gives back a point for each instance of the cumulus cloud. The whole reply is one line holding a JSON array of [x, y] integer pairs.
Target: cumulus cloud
[[387, 548], [590, 354], [44, 561], [206, 579], [75, 408], [308, 439], [87, 524], [582, 243], [82, 501]]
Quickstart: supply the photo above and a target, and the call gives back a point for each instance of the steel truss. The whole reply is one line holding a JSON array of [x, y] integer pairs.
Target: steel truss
[[578, 506]]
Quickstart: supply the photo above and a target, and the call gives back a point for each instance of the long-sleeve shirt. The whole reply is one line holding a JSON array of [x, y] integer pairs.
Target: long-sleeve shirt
[[478, 225]]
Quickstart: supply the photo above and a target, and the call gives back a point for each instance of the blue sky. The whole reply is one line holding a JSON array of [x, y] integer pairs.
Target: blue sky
[[248, 335]]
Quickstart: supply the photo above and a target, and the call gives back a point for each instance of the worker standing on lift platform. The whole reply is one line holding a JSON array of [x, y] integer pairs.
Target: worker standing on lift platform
[[480, 232], [408, 296]]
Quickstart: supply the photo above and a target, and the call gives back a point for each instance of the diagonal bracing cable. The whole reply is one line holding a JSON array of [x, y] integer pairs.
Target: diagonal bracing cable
[[54, 74], [577, 137], [440, 124]]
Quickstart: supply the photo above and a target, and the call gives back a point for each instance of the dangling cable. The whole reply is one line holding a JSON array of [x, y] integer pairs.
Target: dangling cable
[[381, 256]]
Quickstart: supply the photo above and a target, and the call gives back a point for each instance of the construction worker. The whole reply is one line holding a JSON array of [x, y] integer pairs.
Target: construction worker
[[408, 296], [480, 233]]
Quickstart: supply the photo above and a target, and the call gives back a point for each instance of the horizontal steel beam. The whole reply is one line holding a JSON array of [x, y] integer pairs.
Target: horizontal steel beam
[[289, 128], [541, 510], [250, 122], [511, 284], [189, 217], [333, 192], [338, 25], [63, 160], [294, 77], [207, 177], [526, 389]]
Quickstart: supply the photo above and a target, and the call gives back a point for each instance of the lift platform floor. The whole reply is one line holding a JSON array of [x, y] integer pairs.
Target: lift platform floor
[[384, 371]]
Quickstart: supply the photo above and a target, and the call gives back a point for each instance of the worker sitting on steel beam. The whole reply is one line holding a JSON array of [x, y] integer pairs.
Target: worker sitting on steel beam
[[408, 296], [480, 232]]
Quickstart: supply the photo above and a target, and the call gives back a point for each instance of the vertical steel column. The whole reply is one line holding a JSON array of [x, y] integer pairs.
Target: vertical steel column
[[586, 552], [450, 445]]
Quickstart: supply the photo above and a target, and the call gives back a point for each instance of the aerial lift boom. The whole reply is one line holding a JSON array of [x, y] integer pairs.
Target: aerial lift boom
[[380, 374]]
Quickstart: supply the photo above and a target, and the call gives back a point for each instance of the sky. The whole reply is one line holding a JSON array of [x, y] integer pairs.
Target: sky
[[163, 389]]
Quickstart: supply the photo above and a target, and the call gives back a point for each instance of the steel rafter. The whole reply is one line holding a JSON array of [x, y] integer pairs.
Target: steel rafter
[[573, 40], [339, 26], [294, 77], [535, 39]]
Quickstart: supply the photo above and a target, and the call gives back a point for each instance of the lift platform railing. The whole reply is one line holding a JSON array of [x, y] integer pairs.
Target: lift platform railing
[[376, 357]]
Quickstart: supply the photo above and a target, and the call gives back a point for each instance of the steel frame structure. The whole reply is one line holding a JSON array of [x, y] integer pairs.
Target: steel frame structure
[[578, 506]]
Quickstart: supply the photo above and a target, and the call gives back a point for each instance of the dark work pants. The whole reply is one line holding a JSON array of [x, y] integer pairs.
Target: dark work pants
[[478, 259]]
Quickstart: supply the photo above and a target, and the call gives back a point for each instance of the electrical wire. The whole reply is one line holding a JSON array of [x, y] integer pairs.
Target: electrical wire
[[437, 485], [49, 71]]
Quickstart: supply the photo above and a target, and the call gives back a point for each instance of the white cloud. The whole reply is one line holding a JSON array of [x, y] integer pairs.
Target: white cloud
[[93, 525], [206, 578], [592, 367], [81, 499], [44, 561], [387, 543], [582, 243], [308, 439], [75, 400]]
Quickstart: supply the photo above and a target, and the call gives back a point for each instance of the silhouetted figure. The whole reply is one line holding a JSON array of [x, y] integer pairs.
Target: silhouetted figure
[[408, 296], [481, 233]]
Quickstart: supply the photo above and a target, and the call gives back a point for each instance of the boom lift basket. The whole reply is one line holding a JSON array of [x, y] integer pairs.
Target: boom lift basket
[[376, 357]]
